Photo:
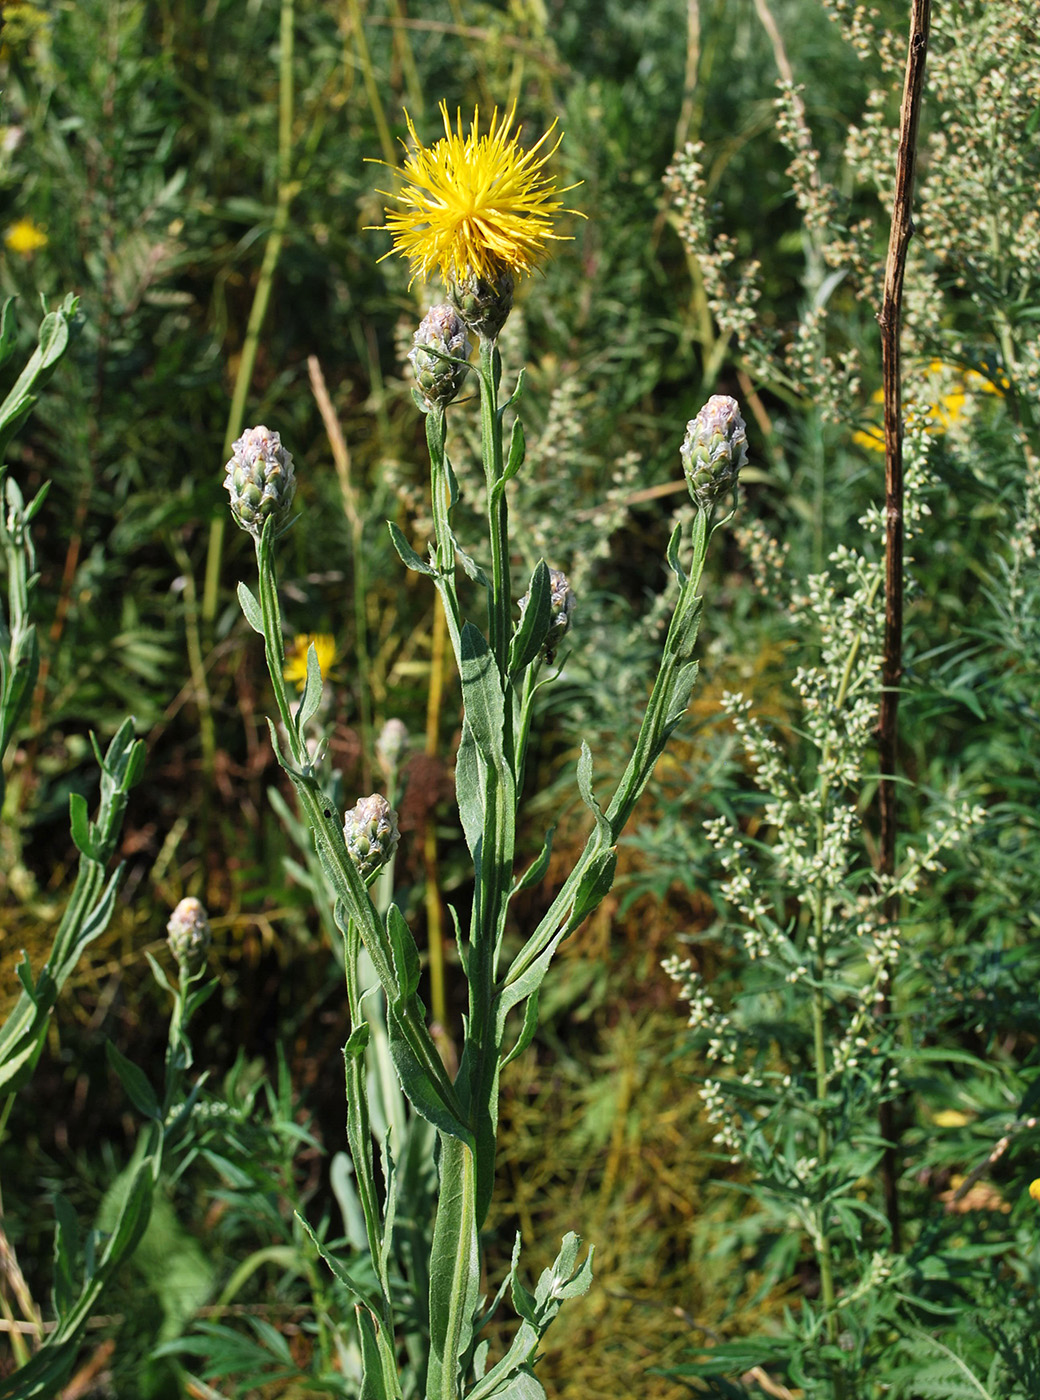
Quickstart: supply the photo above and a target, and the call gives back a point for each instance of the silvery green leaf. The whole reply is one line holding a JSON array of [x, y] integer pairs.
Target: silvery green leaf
[[585, 788], [311, 697], [407, 554], [533, 627], [517, 451], [250, 608], [673, 554]]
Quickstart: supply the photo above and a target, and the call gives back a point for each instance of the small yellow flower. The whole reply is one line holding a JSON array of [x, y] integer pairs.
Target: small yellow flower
[[25, 237], [475, 204], [950, 1118], [295, 668], [1034, 1189]]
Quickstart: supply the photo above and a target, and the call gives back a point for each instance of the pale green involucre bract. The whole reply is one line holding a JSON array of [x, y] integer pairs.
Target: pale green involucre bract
[[188, 934], [260, 480], [714, 450], [484, 305], [370, 831]]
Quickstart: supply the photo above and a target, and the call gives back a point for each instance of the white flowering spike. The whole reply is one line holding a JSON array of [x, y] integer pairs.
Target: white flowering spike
[[188, 934], [714, 450], [260, 480], [370, 831]]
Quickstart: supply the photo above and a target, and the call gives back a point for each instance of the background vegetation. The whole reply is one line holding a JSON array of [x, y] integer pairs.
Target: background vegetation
[[166, 162]]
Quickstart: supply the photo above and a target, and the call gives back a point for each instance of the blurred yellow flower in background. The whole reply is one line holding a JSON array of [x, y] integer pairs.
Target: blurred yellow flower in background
[[25, 237], [950, 1118], [295, 668], [945, 405], [474, 204]]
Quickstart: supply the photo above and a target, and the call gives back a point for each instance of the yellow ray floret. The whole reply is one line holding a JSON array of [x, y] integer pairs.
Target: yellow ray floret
[[475, 203]]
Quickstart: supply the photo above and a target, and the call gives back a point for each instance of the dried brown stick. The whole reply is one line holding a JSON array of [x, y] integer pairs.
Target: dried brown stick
[[890, 322]]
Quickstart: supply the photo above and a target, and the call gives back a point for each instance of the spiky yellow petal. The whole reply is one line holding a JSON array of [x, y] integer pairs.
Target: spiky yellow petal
[[475, 203]]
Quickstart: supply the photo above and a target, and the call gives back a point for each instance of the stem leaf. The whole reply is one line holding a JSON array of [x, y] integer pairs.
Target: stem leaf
[[407, 554], [250, 608], [533, 628]]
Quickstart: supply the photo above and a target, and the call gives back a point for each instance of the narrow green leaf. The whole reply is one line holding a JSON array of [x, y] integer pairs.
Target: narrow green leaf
[[585, 788], [482, 695], [469, 793], [80, 825], [8, 330], [673, 554], [419, 1088], [454, 1269], [533, 627], [407, 554], [311, 697], [250, 608], [379, 1379], [66, 1254], [405, 954], [517, 451], [134, 1081], [527, 1030]]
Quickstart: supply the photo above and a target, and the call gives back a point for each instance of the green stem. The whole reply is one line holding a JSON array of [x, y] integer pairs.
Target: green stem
[[498, 520]]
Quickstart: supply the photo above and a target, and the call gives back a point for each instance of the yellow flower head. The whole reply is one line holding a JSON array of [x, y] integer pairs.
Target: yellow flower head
[[474, 204], [24, 237], [295, 668], [1034, 1189]]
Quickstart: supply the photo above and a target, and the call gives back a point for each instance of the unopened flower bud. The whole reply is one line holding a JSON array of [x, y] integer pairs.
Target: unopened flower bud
[[370, 831], [188, 934], [391, 745], [561, 605], [441, 332], [714, 450], [260, 480], [484, 305]]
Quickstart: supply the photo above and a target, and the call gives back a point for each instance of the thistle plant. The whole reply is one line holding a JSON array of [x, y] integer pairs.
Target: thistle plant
[[479, 209]]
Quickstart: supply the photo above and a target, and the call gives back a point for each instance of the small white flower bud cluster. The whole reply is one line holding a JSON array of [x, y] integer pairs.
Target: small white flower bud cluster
[[370, 831], [441, 332], [189, 936], [260, 480], [714, 450]]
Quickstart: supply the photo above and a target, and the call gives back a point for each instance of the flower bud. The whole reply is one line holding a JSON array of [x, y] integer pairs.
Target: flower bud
[[484, 305], [561, 605], [370, 831], [188, 934], [714, 450], [260, 480], [391, 745], [440, 333]]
